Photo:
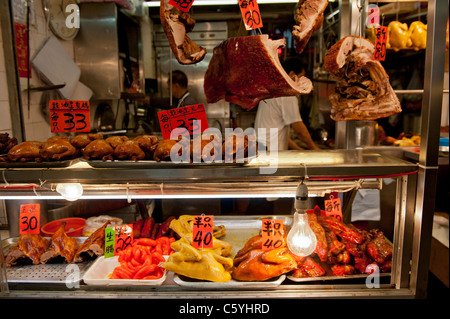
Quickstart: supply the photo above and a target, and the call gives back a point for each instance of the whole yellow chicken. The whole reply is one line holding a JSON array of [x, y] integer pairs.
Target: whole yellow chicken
[[399, 36], [418, 31]]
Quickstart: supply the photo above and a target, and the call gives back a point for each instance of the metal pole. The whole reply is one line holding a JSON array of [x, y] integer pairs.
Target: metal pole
[[429, 148]]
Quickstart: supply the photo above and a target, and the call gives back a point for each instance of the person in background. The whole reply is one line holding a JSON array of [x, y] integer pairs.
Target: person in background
[[180, 93], [283, 113]]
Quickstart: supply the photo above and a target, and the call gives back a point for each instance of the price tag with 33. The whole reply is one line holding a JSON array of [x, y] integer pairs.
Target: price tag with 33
[[69, 116]]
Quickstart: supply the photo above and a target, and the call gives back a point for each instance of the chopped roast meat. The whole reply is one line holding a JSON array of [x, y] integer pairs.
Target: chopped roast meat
[[342, 270], [363, 91], [6, 142], [246, 70], [340, 229], [322, 245], [62, 248], [308, 19], [308, 268], [177, 24], [29, 250], [93, 246], [379, 249]]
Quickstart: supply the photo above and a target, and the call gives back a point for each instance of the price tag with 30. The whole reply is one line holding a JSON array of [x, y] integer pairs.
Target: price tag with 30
[[30, 219], [250, 14]]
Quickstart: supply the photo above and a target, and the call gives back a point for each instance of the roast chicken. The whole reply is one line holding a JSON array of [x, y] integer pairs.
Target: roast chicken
[[29, 250], [148, 144], [98, 150], [58, 150], [206, 150], [82, 140], [62, 248], [418, 34], [26, 152], [399, 36], [115, 141], [163, 148], [129, 150]]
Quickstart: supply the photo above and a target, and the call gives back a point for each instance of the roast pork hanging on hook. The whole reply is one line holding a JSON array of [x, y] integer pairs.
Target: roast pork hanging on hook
[[363, 91], [177, 24]]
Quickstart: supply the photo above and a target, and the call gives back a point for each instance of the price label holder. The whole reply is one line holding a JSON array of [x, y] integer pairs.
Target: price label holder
[[183, 5], [272, 233], [30, 219], [202, 236], [250, 14], [117, 239], [69, 116], [186, 120], [333, 208], [380, 43]]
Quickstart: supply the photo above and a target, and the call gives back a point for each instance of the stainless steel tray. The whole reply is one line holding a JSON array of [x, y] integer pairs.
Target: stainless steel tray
[[154, 164], [52, 164], [43, 273]]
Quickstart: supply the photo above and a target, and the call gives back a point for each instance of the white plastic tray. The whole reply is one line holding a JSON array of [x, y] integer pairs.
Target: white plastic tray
[[98, 275], [232, 284]]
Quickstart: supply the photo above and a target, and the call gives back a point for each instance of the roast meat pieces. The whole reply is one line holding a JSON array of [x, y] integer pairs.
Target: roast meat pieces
[[29, 250], [246, 70], [177, 24], [93, 246], [308, 19], [363, 91], [62, 247], [26, 152]]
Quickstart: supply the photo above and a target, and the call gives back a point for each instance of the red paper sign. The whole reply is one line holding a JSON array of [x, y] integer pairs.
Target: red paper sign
[[184, 120], [183, 5], [333, 208], [69, 116], [250, 14], [202, 236], [117, 239], [30, 219], [22, 50], [272, 233], [380, 43]]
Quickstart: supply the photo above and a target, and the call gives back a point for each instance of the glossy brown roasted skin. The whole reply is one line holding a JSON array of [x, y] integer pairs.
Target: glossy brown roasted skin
[[246, 70], [62, 248], [176, 25], [129, 150], [82, 140], [98, 150], [58, 150], [29, 250], [378, 248], [322, 244], [308, 19], [308, 268], [115, 141], [148, 144], [341, 229], [260, 265], [93, 246], [26, 152], [162, 151]]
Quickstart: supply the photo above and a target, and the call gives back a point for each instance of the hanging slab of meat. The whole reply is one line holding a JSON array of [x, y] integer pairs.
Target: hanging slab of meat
[[93, 246], [29, 250], [246, 70], [341, 229], [308, 19], [62, 248], [322, 246], [363, 91], [177, 24]]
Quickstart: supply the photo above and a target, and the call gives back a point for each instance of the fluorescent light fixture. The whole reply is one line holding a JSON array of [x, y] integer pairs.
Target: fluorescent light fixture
[[221, 2]]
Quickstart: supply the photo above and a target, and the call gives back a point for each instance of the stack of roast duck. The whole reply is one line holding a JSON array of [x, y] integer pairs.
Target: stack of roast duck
[[94, 146]]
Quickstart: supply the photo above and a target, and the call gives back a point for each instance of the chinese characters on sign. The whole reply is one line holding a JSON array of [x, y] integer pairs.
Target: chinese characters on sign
[[272, 233], [30, 219], [183, 5], [183, 118], [117, 239], [22, 50], [380, 43], [250, 14], [202, 236], [69, 116], [333, 208]]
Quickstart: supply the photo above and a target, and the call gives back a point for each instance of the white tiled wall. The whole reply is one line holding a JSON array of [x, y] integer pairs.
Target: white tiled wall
[[36, 127]]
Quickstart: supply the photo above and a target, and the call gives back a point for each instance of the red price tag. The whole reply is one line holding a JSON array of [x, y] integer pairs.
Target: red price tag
[[69, 116], [22, 50], [333, 208], [272, 233], [380, 43], [183, 5], [202, 236], [188, 120], [250, 14], [117, 239], [30, 219]]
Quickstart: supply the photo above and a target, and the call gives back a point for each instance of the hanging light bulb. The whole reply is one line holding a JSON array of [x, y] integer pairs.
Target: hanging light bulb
[[70, 191], [301, 240]]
